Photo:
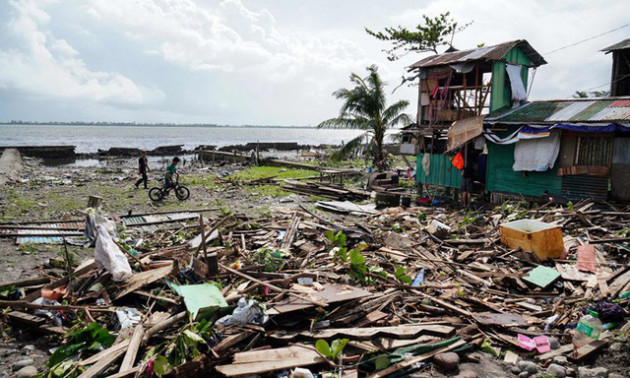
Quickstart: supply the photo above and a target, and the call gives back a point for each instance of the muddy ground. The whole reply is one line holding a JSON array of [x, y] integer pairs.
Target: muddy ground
[[51, 193]]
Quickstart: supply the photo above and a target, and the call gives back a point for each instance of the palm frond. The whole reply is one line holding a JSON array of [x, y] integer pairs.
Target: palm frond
[[402, 118], [394, 110], [344, 123], [348, 148]]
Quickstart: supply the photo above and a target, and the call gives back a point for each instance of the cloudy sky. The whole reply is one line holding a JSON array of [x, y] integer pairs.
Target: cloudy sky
[[266, 62]]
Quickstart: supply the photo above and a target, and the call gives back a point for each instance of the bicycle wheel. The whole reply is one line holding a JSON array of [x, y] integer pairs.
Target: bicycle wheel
[[182, 193], [155, 194]]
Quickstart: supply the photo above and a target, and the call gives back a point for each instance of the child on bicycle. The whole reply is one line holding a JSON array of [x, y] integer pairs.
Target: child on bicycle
[[170, 173]]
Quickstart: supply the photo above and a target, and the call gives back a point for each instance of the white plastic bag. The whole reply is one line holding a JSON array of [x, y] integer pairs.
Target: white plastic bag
[[107, 255]]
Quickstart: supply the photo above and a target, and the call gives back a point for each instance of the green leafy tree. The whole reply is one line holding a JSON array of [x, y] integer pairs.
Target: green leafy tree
[[427, 36], [365, 108], [585, 94]]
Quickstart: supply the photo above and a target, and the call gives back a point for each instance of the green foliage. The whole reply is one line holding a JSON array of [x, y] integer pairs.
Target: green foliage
[[570, 206], [10, 292], [332, 351], [426, 37], [365, 108], [185, 347], [362, 272], [422, 215], [89, 339], [585, 94], [224, 211], [381, 362], [338, 239], [262, 172], [396, 227], [272, 260], [161, 366], [399, 272]]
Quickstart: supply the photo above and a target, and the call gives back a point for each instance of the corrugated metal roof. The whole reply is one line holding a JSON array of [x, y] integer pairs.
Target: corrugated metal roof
[[572, 110], [569, 111], [612, 114], [625, 44], [486, 53]]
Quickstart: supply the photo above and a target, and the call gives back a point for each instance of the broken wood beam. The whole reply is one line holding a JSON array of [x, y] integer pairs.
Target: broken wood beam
[[132, 349]]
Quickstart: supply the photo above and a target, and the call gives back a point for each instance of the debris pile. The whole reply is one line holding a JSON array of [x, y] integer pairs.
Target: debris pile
[[301, 294]]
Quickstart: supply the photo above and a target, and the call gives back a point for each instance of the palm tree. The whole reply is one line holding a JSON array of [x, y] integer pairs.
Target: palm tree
[[365, 108]]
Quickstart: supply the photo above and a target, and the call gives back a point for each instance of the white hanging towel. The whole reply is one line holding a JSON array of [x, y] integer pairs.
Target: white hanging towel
[[536, 154], [516, 81], [426, 164]]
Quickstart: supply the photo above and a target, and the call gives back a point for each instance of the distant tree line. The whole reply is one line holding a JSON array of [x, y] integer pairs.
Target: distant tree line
[[101, 123]]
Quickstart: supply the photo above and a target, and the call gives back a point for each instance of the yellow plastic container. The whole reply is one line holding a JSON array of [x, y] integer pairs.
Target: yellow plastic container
[[544, 239]]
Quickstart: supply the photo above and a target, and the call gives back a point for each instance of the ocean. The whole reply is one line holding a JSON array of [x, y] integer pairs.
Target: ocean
[[88, 139]]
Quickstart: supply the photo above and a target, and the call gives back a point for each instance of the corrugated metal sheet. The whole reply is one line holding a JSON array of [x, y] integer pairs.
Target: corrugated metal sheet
[[612, 114], [39, 240], [441, 172], [578, 187], [553, 111], [620, 103], [133, 220], [501, 177], [625, 44], [486, 53], [569, 111]]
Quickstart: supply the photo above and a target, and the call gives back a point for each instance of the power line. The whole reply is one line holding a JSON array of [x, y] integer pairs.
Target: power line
[[587, 39], [599, 86]]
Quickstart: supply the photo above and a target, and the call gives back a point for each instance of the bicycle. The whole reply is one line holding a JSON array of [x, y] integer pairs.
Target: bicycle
[[181, 192]]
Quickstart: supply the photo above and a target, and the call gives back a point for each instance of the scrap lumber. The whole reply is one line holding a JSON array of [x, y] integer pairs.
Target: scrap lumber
[[258, 362], [132, 349], [403, 331]]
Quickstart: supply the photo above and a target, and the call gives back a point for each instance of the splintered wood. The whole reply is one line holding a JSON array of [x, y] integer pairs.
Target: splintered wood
[[400, 284]]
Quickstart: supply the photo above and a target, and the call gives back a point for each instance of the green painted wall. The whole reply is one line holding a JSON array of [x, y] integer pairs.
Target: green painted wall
[[500, 96], [501, 177], [441, 172]]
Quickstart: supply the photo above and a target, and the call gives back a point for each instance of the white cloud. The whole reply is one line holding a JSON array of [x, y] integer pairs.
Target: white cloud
[[228, 37], [45, 66]]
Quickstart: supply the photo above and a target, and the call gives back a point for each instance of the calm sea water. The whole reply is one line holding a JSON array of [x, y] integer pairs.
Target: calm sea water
[[91, 138]]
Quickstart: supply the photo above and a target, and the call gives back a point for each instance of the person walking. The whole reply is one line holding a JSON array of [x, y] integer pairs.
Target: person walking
[[468, 184], [143, 168]]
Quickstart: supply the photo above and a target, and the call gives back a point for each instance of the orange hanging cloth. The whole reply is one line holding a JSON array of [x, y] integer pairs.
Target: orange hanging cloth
[[458, 161]]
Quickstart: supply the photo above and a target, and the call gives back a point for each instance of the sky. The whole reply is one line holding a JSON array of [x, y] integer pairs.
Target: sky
[[262, 62]]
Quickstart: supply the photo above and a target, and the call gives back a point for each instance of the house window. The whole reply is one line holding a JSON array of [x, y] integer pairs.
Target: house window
[[594, 150]]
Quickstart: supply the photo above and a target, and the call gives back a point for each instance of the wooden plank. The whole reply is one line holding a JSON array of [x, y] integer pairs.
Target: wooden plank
[[26, 319], [263, 361], [132, 350], [103, 363], [557, 352], [619, 283], [588, 350], [141, 279], [404, 331]]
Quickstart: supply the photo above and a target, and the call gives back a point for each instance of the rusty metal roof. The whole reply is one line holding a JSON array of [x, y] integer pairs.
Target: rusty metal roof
[[588, 110], [486, 53], [625, 44]]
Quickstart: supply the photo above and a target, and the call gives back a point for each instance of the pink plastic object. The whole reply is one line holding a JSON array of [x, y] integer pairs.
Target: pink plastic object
[[526, 343], [542, 344]]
